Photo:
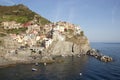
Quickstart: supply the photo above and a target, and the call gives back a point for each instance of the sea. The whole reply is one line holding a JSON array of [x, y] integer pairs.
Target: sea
[[73, 68]]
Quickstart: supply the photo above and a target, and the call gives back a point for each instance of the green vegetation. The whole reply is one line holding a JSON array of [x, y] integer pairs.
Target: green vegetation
[[16, 31], [20, 13], [1, 42], [2, 34], [82, 33], [43, 21], [77, 39], [70, 30], [19, 19]]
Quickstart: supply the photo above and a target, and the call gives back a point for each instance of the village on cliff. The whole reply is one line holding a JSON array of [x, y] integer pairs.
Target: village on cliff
[[32, 41], [40, 37]]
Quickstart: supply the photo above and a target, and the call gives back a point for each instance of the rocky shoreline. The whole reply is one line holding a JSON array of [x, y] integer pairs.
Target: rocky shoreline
[[96, 54], [31, 48], [32, 41], [51, 59], [42, 43]]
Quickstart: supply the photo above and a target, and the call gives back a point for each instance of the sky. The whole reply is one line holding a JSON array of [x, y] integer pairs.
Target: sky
[[99, 19]]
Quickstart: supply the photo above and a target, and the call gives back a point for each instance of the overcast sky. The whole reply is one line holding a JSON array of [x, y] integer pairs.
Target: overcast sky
[[100, 19]]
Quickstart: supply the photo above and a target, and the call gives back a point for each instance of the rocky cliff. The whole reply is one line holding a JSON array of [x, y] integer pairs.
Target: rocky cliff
[[69, 47], [55, 39], [39, 43]]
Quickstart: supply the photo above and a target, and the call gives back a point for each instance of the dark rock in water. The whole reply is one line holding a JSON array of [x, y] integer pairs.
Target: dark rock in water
[[96, 53], [106, 59], [92, 52]]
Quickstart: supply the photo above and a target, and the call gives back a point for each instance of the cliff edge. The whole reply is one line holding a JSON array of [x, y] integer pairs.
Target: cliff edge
[[42, 43], [28, 40]]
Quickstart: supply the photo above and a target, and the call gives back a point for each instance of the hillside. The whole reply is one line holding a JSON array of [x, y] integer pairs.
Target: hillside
[[26, 37], [20, 14]]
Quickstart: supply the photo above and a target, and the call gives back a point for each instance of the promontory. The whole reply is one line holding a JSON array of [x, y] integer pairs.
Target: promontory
[[27, 37]]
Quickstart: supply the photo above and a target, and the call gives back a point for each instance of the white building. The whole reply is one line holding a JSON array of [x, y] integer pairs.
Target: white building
[[11, 25], [48, 42], [59, 28]]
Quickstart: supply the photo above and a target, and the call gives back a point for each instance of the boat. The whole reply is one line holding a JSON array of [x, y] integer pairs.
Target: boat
[[33, 69]]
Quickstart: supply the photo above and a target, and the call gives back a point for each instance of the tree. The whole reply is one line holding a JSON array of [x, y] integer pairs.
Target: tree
[[82, 33]]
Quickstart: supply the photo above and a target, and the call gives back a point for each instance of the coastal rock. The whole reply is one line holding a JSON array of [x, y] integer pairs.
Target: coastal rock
[[47, 59], [67, 48], [95, 53], [61, 48], [32, 41], [20, 56], [106, 59]]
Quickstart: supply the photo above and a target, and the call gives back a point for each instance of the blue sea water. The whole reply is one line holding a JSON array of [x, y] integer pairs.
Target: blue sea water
[[73, 68]]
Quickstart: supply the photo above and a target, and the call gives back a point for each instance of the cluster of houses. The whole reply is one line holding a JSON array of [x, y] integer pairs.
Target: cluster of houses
[[11, 25], [40, 36]]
